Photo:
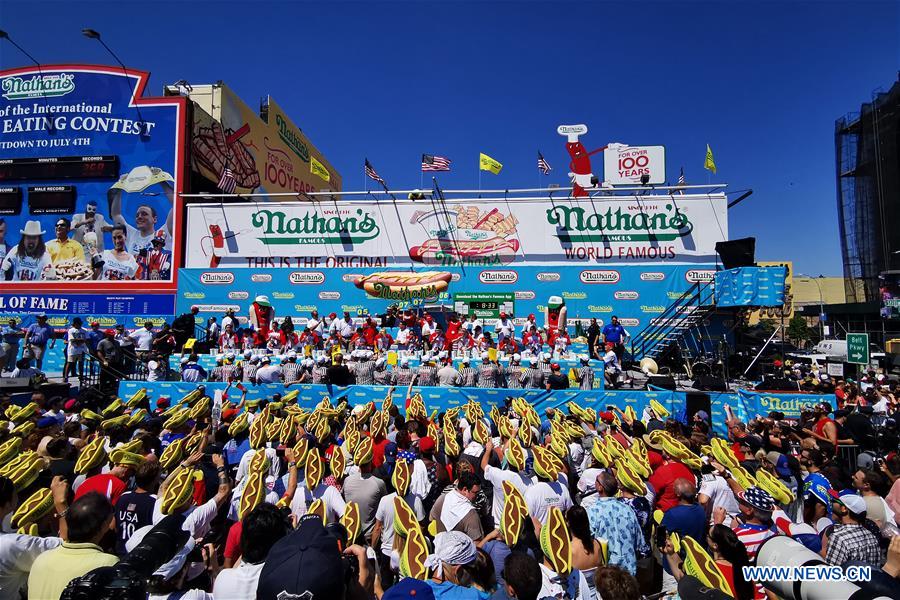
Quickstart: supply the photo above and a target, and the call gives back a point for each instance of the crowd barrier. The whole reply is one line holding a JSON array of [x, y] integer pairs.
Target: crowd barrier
[[744, 405]]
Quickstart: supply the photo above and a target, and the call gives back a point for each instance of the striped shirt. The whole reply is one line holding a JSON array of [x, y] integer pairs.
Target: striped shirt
[[513, 376], [365, 372], [533, 379], [753, 537], [427, 375], [404, 376], [384, 377], [488, 376], [250, 371], [216, 373], [469, 376], [586, 378], [291, 371], [545, 368]]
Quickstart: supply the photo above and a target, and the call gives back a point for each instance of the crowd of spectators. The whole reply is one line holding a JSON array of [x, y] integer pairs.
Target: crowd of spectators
[[233, 498]]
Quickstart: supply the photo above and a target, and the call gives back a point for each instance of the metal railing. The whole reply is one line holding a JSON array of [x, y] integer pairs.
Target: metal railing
[[682, 314]]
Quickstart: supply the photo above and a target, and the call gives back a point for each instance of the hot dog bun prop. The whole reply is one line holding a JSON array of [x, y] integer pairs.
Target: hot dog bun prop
[[399, 285]]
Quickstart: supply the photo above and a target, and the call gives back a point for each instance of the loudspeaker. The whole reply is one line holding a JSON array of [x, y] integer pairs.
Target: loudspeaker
[[737, 253], [778, 384], [696, 401], [710, 383], [50, 390], [661, 381]]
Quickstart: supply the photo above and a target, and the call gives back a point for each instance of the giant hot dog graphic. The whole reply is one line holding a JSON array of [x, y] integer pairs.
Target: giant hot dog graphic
[[466, 234], [400, 285]]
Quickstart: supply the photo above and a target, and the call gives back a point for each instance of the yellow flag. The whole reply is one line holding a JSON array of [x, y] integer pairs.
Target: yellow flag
[[486, 163], [710, 163], [319, 169]]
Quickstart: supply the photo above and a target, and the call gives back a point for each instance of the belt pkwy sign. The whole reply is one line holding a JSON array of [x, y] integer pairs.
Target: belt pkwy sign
[[858, 348]]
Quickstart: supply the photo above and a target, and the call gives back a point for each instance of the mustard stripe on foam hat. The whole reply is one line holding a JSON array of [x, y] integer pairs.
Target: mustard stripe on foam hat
[[179, 491]]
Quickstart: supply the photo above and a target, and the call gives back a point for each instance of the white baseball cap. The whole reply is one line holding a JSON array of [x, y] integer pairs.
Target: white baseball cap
[[404, 362]]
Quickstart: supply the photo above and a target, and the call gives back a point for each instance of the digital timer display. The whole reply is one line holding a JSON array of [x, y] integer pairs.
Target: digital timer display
[[51, 200], [60, 167], [483, 305]]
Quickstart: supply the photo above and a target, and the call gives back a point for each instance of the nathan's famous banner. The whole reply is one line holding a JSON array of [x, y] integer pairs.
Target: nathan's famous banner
[[785, 310], [268, 154], [90, 173], [479, 232], [635, 293], [750, 286]]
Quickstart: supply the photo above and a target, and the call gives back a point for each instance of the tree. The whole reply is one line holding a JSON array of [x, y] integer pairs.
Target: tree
[[798, 330]]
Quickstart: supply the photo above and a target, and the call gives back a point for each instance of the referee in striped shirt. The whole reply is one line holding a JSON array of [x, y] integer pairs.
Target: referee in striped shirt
[[533, 379], [291, 369], [585, 375], [364, 368], [469, 374]]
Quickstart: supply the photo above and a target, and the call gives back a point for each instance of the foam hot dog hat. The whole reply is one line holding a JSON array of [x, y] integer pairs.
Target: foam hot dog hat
[[401, 477], [351, 521], [179, 491], [10, 449], [313, 469], [413, 555], [317, 508], [338, 462], [33, 509], [363, 453], [555, 541], [514, 515], [515, 455], [92, 456], [253, 494]]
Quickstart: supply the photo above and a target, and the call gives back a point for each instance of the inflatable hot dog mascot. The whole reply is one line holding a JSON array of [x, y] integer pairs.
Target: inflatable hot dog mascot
[[556, 314], [402, 285]]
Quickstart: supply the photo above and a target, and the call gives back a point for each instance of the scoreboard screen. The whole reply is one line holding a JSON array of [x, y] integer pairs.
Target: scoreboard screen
[[10, 200], [51, 199], [59, 167]]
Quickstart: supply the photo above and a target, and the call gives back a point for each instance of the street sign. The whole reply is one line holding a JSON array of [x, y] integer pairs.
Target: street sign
[[858, 348]]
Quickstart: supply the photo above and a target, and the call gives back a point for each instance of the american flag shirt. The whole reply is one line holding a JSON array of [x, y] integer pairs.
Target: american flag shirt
[[469, 376]]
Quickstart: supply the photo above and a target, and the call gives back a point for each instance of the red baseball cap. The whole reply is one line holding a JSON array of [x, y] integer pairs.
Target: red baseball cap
[[426, 444], [110, 332]]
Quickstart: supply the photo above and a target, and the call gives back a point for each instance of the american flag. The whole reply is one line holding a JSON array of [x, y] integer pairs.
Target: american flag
[[681, 180], [543, 165], [370, 172], [431, 162], [227, 182]]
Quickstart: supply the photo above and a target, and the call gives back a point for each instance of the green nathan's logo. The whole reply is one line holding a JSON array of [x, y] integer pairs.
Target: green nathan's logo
[[291, 139], [279, 229], [617, 226], [46, 86]]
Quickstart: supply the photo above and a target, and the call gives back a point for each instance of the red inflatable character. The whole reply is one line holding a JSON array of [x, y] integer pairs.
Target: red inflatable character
[[555, 317], [261, 317], [582, 177]]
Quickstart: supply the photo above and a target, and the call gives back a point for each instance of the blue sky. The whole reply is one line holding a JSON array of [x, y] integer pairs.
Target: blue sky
[[761, 82]]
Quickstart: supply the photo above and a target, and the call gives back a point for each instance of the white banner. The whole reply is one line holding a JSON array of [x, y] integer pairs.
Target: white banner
[[625, 165], [484, 232]]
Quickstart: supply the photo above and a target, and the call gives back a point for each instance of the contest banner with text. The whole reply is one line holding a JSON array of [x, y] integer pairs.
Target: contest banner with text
[[90, 173], [635, 293], [480, 233]]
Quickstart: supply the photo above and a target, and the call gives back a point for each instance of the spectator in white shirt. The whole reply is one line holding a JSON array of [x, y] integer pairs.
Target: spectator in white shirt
[[402, 338], [143, 338], [261, 528]]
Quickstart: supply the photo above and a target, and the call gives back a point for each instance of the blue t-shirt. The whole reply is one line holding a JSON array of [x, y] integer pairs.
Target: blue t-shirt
[[613, 333], [451, 591], [687, 520]]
